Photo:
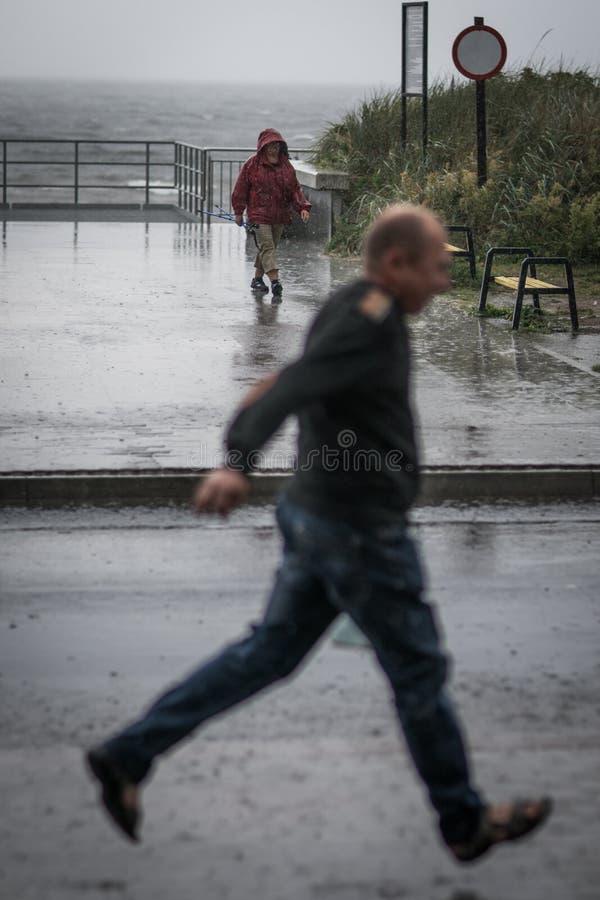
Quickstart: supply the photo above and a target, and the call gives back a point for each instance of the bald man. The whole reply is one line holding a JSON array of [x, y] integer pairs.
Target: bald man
[[346, 548]]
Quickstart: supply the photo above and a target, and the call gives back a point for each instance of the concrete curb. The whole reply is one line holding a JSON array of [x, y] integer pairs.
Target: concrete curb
[[143, 487]]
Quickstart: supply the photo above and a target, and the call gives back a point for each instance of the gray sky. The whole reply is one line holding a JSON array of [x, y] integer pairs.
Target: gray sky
[[354, 41]]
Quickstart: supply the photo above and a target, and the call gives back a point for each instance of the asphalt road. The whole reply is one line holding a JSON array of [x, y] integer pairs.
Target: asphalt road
[[307, 791]]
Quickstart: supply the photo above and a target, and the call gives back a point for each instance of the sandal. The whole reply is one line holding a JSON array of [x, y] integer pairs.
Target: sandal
[[523, 817], [119, 794]]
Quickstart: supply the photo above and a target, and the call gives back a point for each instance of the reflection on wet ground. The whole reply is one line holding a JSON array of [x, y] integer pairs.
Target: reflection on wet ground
[[486, 394], [128, 345]]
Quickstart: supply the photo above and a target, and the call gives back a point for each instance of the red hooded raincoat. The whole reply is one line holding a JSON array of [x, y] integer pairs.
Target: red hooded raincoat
[[268, 191]]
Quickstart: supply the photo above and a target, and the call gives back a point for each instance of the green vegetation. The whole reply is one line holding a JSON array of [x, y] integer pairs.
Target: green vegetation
[[544, 162], [544, 321], [494, 312]]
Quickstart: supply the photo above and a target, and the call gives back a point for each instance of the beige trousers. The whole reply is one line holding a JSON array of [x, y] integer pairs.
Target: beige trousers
[[267, 238]]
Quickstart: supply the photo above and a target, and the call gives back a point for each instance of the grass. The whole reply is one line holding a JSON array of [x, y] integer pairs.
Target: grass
[[541, 322], [544, 163], [494, 312]]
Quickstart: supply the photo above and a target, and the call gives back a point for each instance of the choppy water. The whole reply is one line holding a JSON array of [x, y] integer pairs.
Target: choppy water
[[201, 114]]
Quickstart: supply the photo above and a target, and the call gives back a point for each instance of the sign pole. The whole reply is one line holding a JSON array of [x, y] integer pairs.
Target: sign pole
[[404, 127], [480, 103], [424, 100], [414, 65], [479, 52]]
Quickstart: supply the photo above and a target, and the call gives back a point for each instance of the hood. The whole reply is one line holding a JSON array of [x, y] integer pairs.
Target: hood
[[267, 137]]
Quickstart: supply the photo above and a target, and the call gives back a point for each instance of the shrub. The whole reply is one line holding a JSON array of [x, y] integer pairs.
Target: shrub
[[544, 161]]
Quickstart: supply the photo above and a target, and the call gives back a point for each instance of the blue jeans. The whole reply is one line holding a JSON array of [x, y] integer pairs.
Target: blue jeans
[[329, 567]]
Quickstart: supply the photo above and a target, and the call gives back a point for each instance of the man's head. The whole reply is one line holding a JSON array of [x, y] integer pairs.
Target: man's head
[[271, 146], [405, 252], [273, 151]]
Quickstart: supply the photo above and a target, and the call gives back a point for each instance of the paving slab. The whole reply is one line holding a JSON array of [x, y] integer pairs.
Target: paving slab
[[127, 345], [307, 791]]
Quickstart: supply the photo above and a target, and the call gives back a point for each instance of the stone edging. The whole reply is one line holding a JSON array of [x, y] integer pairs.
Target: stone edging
[[150, 487]]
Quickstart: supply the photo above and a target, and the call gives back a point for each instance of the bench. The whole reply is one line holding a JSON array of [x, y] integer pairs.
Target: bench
[[467, 252], [527, 281]]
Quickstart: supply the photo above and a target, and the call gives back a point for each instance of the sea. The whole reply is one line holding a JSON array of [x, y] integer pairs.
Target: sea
[[202, 114]]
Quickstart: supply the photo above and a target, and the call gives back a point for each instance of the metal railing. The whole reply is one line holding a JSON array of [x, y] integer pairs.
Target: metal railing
[[205, 180], [75, 161], [202, 177]]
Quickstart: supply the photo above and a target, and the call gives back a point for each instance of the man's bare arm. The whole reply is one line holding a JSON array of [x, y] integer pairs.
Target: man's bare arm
[[225, 489], [258, 390]]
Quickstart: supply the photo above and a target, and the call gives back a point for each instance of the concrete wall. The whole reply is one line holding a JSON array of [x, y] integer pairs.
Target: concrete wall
[[325, 188]]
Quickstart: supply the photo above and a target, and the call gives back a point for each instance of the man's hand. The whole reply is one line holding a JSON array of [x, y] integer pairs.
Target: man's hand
[[239, 220], [305, 216], [221, 492]]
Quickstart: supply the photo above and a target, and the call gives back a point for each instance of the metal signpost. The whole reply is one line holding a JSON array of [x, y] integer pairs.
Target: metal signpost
[[414, 63], [479, 52]]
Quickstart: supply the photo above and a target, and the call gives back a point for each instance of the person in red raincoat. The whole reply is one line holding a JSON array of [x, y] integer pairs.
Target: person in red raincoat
[[267, 188]]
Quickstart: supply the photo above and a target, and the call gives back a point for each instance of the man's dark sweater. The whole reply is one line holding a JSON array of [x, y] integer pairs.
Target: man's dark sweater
[[357, 457]]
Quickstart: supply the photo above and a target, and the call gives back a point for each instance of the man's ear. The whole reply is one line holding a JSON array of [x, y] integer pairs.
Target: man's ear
[[395, 258]]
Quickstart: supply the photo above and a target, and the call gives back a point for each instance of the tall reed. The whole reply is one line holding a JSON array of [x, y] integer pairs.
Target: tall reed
[[544, 161]]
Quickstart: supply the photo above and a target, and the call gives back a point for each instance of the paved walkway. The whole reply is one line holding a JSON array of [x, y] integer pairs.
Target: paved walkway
[[91, 212], [128, 345]]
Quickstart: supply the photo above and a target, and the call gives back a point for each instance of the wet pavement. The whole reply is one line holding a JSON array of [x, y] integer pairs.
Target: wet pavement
[[127, 345], [306, 792]]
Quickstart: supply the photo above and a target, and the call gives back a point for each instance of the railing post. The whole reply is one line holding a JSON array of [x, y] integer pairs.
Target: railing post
[[203, 179], [76, 173], [4, 170], [147, 173], [186, 154], [196, 164], [176, 170], [182, 174]]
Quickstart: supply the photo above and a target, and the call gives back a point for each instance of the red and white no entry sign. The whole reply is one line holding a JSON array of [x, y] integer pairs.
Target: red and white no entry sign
[[479, 52]]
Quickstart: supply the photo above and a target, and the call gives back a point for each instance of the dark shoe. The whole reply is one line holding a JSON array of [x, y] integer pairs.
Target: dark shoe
[[517, 820], [120, 795], [258, 285], [277, 289]]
